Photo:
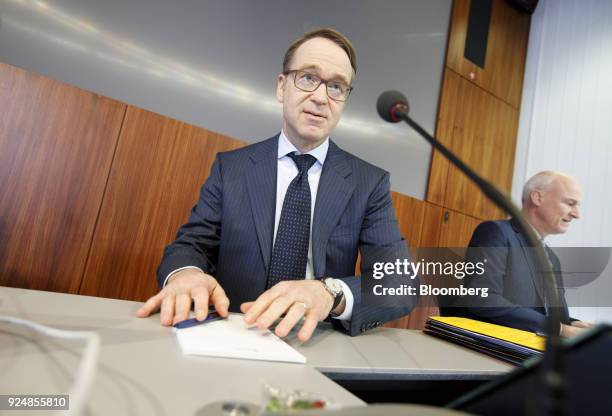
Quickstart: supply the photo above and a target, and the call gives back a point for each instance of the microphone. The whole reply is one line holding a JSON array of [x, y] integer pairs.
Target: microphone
[[392, 106]]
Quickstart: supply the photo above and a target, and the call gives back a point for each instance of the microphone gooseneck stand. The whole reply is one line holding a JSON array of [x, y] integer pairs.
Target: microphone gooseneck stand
[[392, 106]]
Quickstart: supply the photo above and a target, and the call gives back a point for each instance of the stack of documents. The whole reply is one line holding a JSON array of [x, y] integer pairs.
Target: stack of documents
[[508, 344], [233, 338]]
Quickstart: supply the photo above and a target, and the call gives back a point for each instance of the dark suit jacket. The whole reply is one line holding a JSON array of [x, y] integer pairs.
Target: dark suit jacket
[[516, 289], [230, 231]]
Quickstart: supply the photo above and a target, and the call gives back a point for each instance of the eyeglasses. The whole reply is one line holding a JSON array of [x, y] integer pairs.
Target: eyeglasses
[[305, 81]]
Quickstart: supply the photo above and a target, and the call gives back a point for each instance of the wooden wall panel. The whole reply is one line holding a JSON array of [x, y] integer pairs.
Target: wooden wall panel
[[479, 110], [56, 147], [123, 213], [446, 228], [441, 228], [155, 180], [457, 229], [438, 169], [504, 67], [484, 136], [429, 235], [481, 130], [410, 213], [432, 226]]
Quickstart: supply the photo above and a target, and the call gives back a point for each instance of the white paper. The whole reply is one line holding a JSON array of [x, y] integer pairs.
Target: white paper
[[233, 338]]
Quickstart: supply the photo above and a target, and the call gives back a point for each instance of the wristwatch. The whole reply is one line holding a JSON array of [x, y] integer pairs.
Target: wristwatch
[[334, 288]]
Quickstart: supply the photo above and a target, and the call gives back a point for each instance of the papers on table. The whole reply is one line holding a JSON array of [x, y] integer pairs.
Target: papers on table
[[508, 344], [232, 338]]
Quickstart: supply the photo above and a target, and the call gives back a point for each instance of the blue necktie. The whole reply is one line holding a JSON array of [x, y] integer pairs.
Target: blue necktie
[[290, 252]]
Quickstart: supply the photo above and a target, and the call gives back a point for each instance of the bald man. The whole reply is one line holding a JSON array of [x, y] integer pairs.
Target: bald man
[[550, 202]]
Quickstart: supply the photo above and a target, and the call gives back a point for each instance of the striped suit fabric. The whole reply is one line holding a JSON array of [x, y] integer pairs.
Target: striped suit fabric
[[230, 230]]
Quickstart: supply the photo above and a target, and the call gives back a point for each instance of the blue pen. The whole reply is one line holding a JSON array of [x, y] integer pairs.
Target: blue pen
[[188, 323]]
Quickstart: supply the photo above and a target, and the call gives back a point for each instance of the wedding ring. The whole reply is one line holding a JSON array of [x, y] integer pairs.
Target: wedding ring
[[301, 303]]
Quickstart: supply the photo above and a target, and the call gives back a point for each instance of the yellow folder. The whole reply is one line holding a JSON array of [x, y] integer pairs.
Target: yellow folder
[[516, 336]]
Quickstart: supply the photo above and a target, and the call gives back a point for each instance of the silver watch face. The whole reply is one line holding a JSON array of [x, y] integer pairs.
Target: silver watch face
[[333, 285]]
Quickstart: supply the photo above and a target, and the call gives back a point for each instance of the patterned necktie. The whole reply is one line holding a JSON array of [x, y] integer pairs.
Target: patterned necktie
[[290, 252]]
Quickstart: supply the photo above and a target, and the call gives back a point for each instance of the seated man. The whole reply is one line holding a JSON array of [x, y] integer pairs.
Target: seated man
[[249, 244], [516, 291]]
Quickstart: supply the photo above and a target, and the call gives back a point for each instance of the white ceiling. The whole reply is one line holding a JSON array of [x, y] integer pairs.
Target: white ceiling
[[214, 63]]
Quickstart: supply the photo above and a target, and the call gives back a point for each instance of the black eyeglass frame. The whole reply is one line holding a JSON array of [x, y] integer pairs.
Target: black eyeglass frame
[[296, 72]]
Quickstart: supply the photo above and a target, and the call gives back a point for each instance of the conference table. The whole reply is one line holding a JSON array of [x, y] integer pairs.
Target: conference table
[[141, 369]]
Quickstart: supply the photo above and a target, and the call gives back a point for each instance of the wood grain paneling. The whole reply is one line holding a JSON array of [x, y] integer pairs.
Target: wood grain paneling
[[56, 147], [159, 167], [430, 225], [438, 168], [479, 109], [481, 130], [76, 215], [504, 67], [410, 213], [441, 228], [457, 229], [446, 228]]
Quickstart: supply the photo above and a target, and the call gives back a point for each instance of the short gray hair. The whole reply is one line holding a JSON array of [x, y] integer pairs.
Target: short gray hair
[[540, 181]]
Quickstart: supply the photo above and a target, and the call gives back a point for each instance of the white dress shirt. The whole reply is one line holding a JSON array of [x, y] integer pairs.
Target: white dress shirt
[[286, 172]]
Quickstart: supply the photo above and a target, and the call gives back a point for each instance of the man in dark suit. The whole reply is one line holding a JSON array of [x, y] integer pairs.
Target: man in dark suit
[[516, 295], [249, 240]]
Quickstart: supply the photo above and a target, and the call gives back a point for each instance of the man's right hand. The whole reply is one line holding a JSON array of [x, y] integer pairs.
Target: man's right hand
[[175, 299]]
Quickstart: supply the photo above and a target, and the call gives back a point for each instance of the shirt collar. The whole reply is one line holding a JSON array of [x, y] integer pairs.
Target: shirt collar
[[537, 233], [285, 147]]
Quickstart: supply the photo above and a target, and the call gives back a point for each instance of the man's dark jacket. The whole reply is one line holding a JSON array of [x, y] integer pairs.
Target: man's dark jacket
[[229, 232]]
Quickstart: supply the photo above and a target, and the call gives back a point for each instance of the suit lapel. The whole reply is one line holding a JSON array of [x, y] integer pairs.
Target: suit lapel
[[558, 273], [529, 254], [335, 190], [261, 185]]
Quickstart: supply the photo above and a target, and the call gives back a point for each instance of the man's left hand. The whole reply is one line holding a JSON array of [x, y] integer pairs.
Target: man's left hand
[[294, 298]]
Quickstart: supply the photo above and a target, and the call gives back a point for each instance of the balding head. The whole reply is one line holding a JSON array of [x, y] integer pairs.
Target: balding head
[[550, 201]]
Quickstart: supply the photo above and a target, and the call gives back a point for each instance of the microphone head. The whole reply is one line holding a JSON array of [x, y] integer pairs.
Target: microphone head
[[389, 103]]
